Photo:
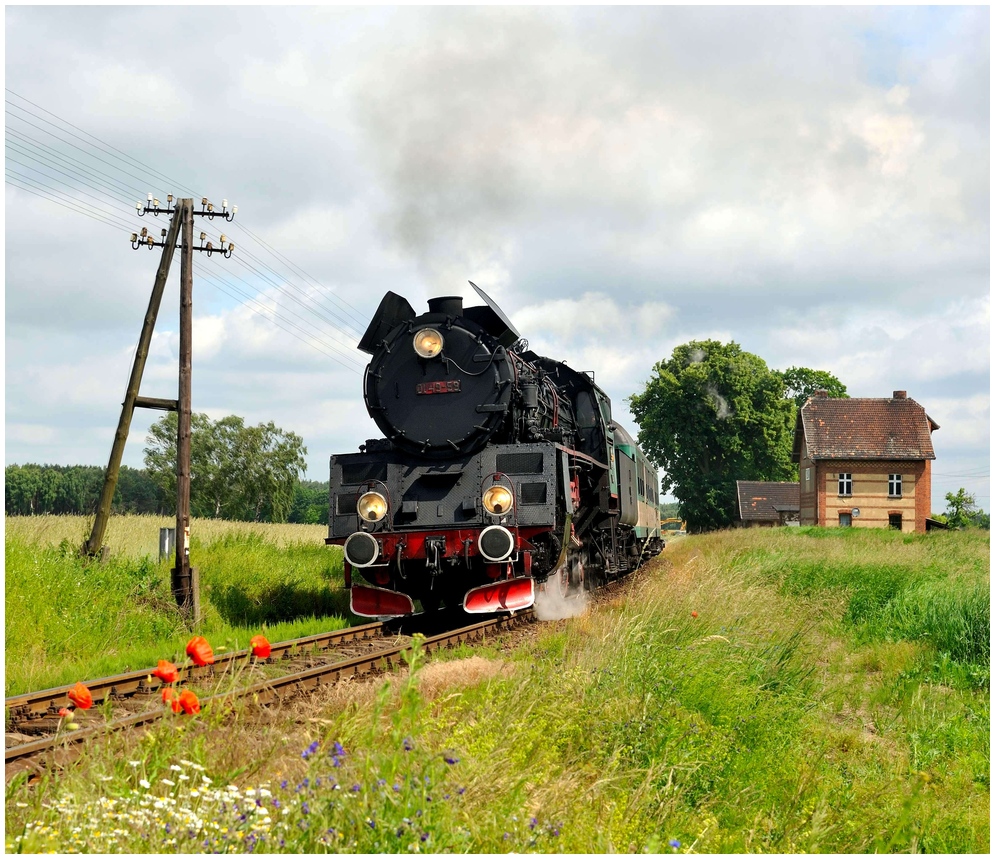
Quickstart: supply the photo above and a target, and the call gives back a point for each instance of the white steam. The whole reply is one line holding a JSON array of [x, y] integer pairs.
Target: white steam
[[551, 604]]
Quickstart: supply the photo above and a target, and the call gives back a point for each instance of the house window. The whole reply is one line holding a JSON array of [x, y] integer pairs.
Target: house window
[[846, 484], [845, 520], [808, 478], [895, 521], [895, 485]]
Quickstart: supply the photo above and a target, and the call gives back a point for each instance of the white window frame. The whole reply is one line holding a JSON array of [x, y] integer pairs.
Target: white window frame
[[844, 484], [894, 485]]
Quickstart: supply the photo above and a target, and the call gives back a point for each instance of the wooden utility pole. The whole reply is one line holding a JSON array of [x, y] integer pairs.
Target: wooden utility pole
[[184, 577], [183, 586], [131, 398]]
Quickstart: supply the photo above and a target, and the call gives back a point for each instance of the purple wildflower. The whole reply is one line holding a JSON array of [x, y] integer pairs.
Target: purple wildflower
[[310, 750], [355, 788], [452, 759], [408, 745], [675, 843]]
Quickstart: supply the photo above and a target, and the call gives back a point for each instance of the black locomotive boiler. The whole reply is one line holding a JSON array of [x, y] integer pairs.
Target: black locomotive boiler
[[499, 471]]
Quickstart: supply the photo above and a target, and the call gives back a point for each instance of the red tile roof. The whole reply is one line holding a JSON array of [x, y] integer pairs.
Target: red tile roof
[[762, 501], [864, 428]]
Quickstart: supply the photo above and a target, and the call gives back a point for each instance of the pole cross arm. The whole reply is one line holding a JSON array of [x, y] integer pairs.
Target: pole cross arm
[[156, 403]]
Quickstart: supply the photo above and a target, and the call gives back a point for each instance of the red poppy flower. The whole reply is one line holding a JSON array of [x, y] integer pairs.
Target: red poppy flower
[[260, 646], [200, 651], [694, 614], [188, 701], [81, 696], [166, 672], [64, 712], [169, 697]]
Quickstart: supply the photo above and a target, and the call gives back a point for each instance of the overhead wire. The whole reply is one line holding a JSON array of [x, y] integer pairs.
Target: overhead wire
[[348, 308], [269, 313], [115, 192]]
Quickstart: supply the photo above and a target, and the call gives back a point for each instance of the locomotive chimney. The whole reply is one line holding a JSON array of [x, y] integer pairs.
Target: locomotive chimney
[[450, 305]]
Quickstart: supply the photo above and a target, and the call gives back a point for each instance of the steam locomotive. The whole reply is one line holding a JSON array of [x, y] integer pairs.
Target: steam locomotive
[[499, 471]]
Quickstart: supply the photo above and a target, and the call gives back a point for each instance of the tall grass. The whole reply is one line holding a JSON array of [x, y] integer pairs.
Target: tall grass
[[138, 536], [932, 588], [68, 618], [720, 706], [709, 710]]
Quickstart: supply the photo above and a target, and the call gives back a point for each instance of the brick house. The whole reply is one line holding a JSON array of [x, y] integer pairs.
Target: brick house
[[864, 462], [766, 504]]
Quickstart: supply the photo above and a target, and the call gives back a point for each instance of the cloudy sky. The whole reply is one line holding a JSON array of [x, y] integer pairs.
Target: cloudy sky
[[812, 184]]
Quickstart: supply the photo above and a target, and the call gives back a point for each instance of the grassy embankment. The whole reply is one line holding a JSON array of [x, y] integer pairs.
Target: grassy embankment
[[788, 691], [68, 619]]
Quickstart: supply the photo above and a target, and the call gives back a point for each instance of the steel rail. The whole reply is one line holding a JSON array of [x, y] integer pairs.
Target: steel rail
[[33, 705], [267, 691]]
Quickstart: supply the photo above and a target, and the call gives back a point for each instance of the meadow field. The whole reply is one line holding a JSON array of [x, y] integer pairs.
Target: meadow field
[[68, 618], [797, 690]]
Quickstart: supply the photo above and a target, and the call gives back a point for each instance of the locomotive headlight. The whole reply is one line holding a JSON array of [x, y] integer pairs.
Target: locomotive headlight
[[428, 343], [497, 499], [372, 506]]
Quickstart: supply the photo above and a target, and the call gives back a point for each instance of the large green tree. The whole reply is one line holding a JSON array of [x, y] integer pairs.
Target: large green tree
[[963, 512], [236, 471], [801, 383], [711, 415]]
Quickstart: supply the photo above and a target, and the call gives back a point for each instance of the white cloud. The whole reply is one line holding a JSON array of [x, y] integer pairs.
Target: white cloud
[[812, 183]]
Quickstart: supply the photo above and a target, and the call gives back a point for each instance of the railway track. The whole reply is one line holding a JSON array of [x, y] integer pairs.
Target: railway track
[[34, 726]]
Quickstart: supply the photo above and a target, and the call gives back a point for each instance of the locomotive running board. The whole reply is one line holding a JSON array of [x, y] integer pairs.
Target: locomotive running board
[[510, 595], [379, 602]]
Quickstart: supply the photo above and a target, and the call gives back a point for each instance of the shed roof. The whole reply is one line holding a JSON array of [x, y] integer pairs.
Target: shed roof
[[763, 502], [894, 427]]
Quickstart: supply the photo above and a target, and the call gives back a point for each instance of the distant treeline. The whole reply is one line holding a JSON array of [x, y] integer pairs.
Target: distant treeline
[[75, 490]]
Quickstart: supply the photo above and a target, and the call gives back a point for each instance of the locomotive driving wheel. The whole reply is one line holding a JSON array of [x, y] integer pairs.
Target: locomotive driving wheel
[[569, 578]]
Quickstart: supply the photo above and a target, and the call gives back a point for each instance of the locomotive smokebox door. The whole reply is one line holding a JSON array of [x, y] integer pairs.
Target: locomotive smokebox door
[[439, 385]]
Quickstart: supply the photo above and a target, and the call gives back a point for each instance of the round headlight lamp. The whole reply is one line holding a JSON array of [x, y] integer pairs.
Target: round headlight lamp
[[372, 506], [497, 500], [428, 342]]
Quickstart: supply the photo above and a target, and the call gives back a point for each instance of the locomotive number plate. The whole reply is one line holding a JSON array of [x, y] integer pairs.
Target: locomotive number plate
[[449, 387]]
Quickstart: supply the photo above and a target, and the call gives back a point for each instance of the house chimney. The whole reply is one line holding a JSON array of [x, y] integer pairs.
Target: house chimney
[[820, 393], [899, 395]]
